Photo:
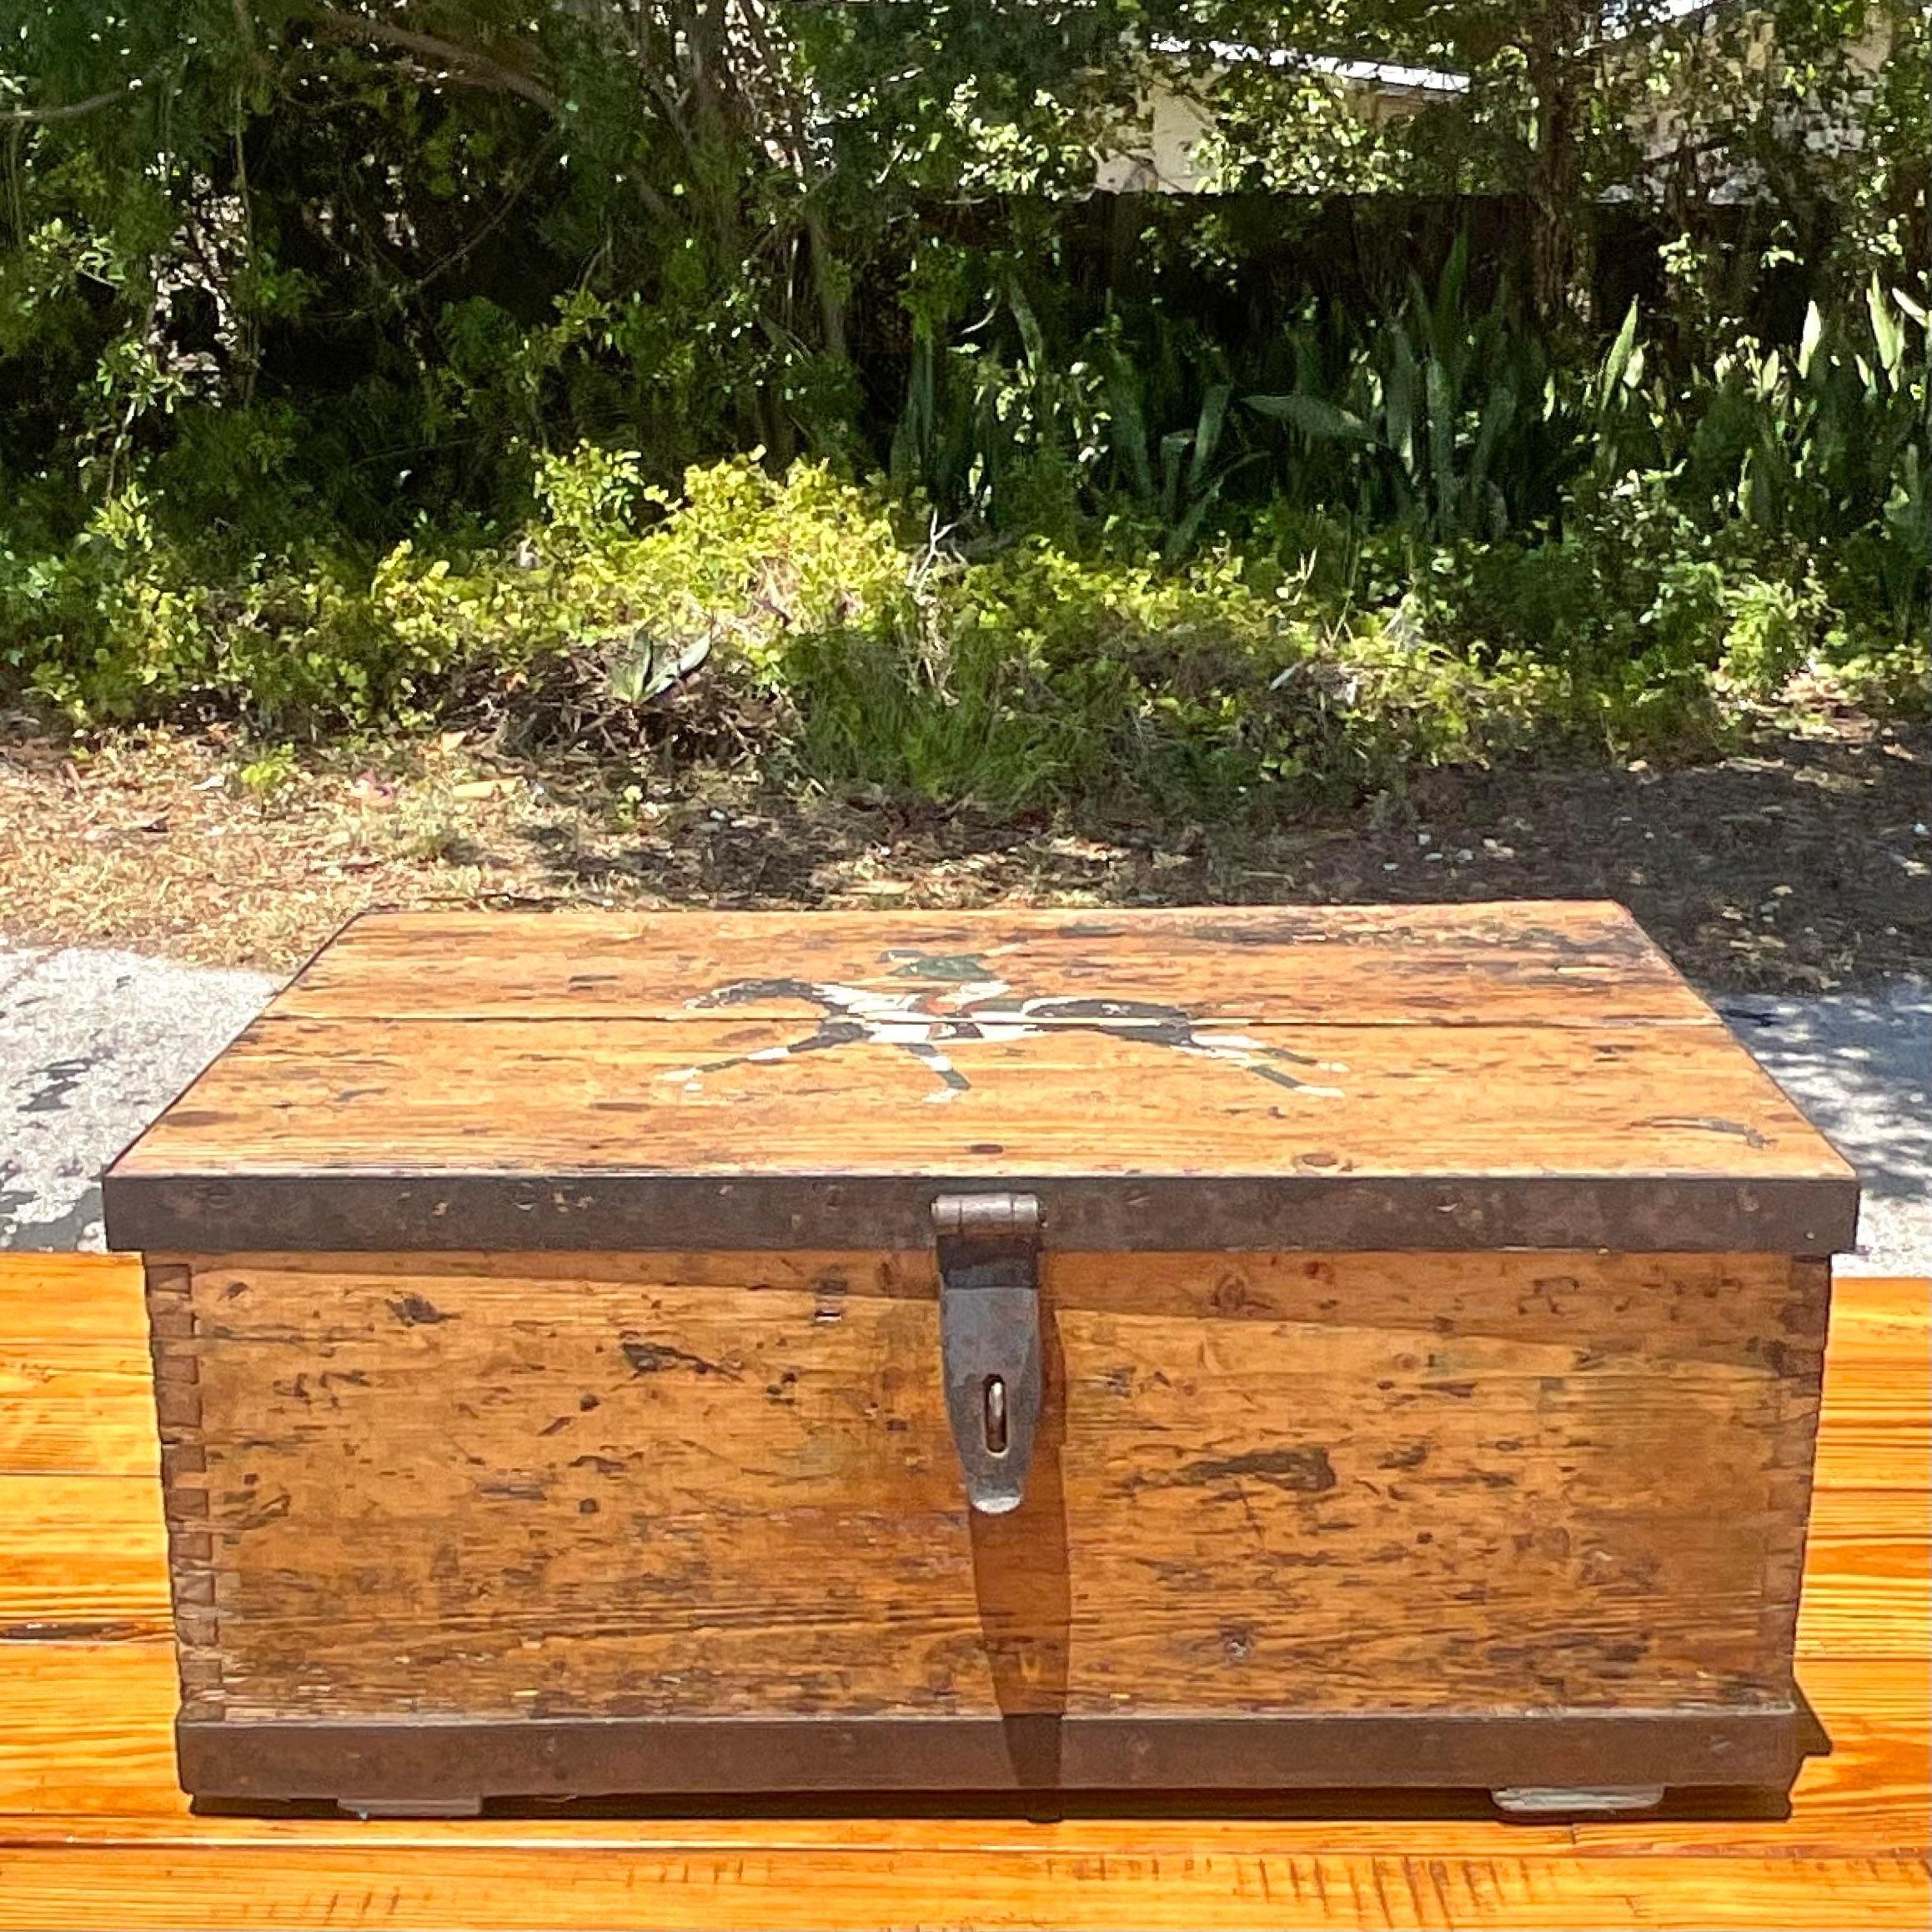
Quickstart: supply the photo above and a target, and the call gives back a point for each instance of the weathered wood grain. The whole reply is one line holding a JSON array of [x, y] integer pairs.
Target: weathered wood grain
[[1511, 1076], [1544, 962], [564, 1096], [718, 1484]]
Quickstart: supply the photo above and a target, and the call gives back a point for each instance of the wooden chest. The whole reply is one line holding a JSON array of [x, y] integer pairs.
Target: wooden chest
[[721, 1352]]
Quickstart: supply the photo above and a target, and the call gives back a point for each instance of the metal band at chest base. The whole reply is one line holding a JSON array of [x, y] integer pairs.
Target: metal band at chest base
[[404, 1759]]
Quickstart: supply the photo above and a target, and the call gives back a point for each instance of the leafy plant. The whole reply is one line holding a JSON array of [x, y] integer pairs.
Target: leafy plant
[[1174, 477], [1447, 422], [269, 773]]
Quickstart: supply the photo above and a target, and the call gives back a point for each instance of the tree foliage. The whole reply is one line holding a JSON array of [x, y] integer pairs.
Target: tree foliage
[[283, 280]]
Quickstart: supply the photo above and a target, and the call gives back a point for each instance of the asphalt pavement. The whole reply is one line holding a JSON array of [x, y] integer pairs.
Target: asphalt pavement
[[92, 1047], [94, 1044]]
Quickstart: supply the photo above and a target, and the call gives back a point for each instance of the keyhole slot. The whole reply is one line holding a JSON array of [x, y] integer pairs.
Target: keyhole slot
[[996, 1416]]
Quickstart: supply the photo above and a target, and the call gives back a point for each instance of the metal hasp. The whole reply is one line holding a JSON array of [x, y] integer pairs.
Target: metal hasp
[[989, 1335]]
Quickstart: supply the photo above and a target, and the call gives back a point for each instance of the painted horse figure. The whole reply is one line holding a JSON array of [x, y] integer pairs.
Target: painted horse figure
[[956, 996]]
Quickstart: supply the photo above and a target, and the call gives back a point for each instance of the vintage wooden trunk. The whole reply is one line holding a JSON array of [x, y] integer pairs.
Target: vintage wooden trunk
[[706, 1353]]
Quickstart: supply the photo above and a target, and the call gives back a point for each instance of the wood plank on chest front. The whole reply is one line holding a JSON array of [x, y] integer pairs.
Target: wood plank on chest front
[[728, 1485]]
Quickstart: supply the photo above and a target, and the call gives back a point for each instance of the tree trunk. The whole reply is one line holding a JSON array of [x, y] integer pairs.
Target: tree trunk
[[1556, 50]]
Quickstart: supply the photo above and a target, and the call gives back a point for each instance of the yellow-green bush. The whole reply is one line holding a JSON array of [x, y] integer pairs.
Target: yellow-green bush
[[128, 624], [1040, 676], [851, 652]]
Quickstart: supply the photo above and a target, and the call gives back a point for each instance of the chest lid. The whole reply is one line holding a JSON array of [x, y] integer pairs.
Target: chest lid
[[1513, 1075]]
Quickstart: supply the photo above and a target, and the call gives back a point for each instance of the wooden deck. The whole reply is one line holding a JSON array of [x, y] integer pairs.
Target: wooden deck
[[94, 1833]]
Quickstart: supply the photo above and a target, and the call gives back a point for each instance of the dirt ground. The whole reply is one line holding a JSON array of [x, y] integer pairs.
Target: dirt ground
[[1803, 866]]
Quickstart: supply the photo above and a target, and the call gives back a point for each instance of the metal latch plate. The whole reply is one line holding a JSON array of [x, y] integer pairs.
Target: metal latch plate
[[989, 1325]]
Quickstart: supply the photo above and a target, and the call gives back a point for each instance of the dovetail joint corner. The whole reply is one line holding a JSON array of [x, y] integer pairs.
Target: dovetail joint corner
[[184, 1487]]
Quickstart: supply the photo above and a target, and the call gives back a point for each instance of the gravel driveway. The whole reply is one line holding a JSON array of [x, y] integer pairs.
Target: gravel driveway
[[93, 1045]]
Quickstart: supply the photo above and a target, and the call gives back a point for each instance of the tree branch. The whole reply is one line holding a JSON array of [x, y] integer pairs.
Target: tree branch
[[70, 110], [470, 61]]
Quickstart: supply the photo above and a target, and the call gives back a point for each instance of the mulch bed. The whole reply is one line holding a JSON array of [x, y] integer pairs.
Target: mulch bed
[[1805, 865]]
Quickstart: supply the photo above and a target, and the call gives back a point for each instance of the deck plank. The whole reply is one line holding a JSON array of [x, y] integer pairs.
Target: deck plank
[[498, 1889]]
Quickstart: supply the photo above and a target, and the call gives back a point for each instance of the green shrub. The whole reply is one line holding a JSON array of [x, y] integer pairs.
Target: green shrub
[[1311, 659], [128, 623], [1767, 636], [1040, 678]]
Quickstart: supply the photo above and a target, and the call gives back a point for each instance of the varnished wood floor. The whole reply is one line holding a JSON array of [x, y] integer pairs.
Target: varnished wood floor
[[93, 1833]]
